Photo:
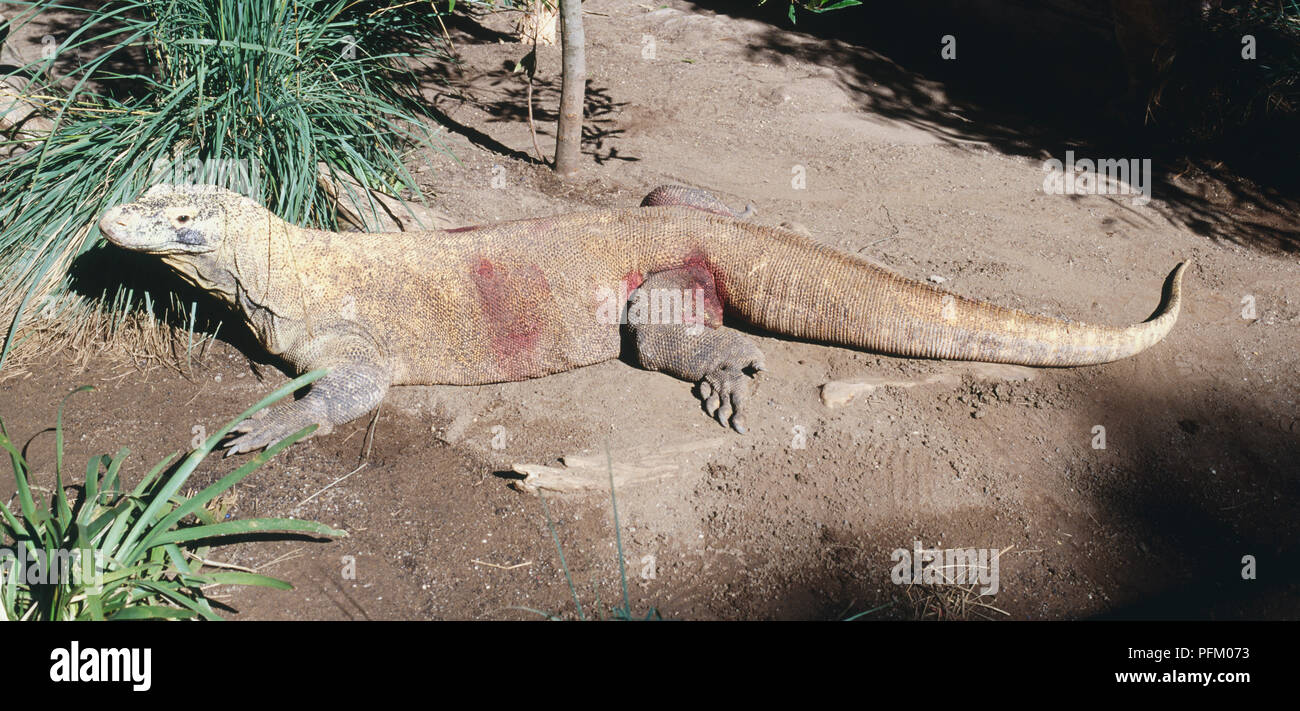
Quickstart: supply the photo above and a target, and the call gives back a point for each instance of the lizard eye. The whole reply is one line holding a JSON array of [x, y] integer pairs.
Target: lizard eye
[[179, 216]]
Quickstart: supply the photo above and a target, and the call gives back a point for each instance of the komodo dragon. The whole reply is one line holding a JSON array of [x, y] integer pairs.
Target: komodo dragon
[[528, 298]]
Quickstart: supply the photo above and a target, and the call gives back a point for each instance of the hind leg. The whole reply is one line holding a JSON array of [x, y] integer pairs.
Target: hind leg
[[693, 345]]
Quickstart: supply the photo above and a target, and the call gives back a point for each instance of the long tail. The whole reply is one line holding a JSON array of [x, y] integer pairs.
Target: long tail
[[810, 291]]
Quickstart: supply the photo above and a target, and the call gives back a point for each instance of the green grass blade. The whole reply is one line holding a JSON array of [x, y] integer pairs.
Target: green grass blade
[[546, 511], [199, 500], [153, 612], [64, 510], [240, 578], [146, 521], [25, 501], [172, 592], [245, 526]]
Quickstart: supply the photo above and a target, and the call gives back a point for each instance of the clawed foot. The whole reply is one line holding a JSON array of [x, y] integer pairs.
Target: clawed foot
[[266, 428], [724, 392]]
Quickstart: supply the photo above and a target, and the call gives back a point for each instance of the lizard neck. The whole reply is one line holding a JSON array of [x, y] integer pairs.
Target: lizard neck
[[258, 269]]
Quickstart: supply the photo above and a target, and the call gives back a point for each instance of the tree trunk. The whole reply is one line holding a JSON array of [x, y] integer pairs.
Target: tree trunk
[[568, 135]]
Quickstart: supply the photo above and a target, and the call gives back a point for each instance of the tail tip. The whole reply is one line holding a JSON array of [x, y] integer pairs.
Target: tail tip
[[1175, 279], [1172, 297]]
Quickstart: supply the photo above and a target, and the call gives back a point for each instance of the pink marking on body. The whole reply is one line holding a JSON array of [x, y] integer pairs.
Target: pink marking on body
[[633, 280], [706, 275], [515, 310], [463, 229]]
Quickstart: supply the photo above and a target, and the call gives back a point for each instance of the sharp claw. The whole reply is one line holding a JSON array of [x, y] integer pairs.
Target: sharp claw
[[724, 413], [737, 419], [249, 441], [235, 446], [738, 424]]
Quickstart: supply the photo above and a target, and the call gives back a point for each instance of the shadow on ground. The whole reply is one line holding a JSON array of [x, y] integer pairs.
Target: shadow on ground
[[1043, 84], [1190, 486]]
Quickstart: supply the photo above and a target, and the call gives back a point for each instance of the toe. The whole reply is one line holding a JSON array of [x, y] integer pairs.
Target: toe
[[738, 399], [711, 404], [711, 397], [724, 412], [253, 439], [738, 424]]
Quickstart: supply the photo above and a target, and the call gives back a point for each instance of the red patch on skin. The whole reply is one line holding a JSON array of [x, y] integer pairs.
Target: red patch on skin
[[632, 280], [463, 229], [710, 311], [697, 260], [514, 304], [699, 293]]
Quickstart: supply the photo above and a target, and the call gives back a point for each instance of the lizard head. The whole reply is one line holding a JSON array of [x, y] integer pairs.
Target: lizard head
[[179, 219]]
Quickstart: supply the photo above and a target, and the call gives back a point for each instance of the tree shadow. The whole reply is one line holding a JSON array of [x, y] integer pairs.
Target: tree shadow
[[117, 77], [1036, 83], [508, 103]]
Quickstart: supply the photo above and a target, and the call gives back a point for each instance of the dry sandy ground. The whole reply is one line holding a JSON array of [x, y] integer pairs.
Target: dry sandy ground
[[799, 518]]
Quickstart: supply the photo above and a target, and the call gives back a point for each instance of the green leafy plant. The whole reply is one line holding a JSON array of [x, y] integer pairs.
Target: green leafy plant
[[252, 94], [816, 6], [147, 546]]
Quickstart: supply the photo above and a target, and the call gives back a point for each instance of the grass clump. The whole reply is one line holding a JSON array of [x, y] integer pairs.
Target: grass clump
[[254, 95], [114, 554]]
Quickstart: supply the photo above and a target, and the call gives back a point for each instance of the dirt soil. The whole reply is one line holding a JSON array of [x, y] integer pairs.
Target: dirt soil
[[799, 518]]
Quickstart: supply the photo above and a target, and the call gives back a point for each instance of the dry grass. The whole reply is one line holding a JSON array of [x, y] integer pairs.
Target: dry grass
[[952, 600], [74, 331], [949, 602]]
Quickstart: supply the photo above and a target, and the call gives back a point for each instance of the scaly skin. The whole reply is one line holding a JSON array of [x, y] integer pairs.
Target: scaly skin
[[691, 197], [529, 298]]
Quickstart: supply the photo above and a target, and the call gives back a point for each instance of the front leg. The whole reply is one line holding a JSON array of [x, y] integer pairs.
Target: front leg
[[351, 389]]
